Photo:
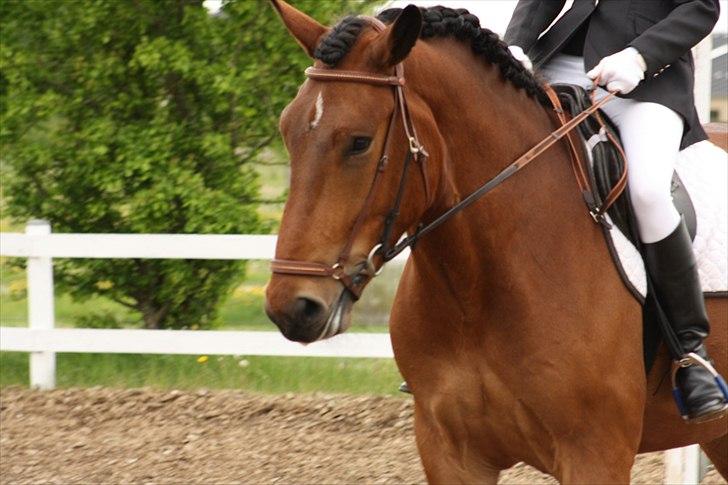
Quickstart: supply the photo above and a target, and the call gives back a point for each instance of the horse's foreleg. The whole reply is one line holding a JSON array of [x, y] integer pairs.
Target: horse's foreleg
[[442, 461], [602, 465], [581, 474], [717, 451]]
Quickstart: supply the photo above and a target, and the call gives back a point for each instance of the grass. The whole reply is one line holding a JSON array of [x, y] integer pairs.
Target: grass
[[260, 374]]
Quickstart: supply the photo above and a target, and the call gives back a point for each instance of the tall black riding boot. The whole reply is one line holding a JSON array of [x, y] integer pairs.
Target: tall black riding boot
[[673, 269]]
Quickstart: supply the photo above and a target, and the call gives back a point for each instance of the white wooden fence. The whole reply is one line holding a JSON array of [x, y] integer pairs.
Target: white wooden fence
[[42, 340]]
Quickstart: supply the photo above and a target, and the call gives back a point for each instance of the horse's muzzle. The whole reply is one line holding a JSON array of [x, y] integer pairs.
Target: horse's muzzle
[[306, 318], [300, 320]]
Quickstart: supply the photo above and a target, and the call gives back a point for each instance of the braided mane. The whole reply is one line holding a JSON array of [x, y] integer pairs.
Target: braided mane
[[438, 22]]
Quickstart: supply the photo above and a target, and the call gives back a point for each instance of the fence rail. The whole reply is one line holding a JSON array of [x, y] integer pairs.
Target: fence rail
[[147, 246], [34, 244], [42, 340], [215, 342]]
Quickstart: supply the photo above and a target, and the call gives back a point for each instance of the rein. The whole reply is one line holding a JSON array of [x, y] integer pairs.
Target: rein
[[597, 212], [355, 282]]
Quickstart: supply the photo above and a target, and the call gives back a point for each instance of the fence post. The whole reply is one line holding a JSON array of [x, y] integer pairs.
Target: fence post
[[681, 465], [41, 311]]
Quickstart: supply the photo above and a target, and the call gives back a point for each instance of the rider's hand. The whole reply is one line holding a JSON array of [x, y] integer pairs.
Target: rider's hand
[[521, 56], [620, 72]]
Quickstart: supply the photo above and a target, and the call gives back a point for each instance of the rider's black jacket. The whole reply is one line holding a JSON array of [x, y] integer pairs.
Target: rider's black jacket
[[663, 31]]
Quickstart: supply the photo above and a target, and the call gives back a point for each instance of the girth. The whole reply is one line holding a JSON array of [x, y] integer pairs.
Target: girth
[[363, 271]]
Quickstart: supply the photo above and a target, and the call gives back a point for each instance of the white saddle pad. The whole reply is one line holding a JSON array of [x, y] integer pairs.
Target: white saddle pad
[[703, 169]]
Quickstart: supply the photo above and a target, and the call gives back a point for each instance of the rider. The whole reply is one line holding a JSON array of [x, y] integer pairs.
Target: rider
[[640, 49]]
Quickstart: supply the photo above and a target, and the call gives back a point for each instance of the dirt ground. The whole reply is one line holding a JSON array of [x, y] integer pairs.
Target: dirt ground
[[147, 436]]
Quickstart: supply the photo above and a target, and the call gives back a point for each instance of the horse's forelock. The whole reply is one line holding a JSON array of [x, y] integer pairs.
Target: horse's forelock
[[339, 41]]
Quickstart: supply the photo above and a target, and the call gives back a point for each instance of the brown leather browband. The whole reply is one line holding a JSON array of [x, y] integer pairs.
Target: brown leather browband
[[353, 76], [366, 270]]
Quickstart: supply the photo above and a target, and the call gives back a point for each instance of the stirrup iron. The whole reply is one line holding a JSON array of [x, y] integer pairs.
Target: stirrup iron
[[691, 358]]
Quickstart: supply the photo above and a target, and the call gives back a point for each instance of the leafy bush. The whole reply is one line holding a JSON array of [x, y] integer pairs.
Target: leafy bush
[[144, 117], [103, 319]]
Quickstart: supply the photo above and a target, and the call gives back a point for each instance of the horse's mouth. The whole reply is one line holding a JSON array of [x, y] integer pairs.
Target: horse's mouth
[[340, 316]]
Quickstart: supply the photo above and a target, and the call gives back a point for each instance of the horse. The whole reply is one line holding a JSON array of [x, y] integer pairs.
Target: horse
[[510, 324]]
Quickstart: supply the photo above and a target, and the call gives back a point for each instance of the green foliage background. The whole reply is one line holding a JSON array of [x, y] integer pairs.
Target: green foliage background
[[145, 116]]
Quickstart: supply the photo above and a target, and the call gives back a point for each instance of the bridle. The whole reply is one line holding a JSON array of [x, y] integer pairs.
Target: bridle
[[356, 281], [415, 152]]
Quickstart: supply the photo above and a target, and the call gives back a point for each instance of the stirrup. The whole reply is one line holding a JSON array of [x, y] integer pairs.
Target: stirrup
[[691, 358], [404, 388]]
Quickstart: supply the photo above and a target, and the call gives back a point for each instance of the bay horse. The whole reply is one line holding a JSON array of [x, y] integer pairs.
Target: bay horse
[[511, 324]]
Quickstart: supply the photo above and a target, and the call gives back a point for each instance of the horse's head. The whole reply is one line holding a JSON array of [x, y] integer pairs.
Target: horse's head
[[350, 158]]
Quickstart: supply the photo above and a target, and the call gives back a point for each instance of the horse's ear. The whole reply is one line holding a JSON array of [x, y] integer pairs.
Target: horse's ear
[[305, 29], [397, 41]]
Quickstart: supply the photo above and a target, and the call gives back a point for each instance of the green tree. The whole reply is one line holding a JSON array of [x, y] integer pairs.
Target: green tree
[[144, 116]]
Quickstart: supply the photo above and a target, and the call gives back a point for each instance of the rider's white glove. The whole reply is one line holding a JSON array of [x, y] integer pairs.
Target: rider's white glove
[[620, 72], [521, 56]]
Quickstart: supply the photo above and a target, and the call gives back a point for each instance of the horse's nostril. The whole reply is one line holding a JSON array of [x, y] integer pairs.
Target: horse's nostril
[[308, 309]]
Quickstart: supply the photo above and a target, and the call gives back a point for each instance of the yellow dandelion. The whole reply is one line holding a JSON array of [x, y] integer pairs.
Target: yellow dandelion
[[202, 359]]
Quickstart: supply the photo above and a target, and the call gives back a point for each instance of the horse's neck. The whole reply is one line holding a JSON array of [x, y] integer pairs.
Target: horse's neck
[[533, 221]]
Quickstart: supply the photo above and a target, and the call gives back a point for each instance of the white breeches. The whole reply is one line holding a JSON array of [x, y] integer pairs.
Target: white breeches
[[651, 135]]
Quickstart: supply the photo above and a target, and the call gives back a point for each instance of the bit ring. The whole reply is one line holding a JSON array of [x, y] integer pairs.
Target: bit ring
[[370, 261]]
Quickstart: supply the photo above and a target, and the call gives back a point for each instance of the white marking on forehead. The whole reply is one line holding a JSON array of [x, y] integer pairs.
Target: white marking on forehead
[[319, 111]]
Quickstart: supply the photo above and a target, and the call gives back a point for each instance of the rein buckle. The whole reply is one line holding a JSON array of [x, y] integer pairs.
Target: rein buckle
[[600, 219], [414, 146]]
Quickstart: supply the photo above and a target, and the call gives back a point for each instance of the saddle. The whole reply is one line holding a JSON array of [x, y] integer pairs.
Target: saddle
[[604, 168], [606, 165]]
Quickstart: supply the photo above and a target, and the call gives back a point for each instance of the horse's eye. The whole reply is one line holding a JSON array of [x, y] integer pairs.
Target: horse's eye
[[359, 145]]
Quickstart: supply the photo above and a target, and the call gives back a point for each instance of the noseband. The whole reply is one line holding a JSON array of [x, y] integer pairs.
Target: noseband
[[356, 281]]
